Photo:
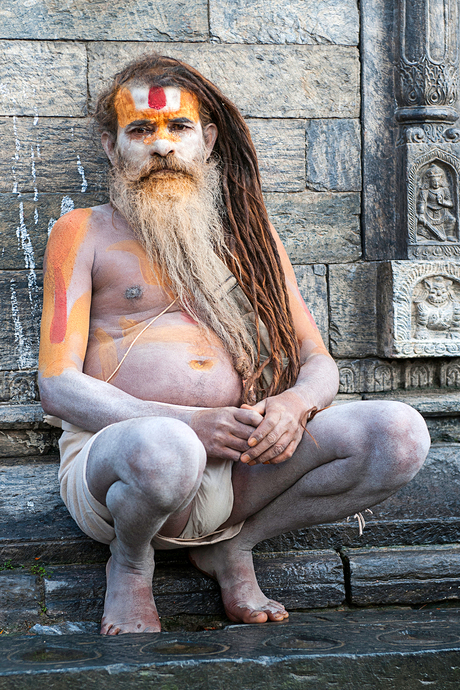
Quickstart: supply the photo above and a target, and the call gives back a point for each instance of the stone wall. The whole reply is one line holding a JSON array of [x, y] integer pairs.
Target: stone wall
[[292, 68]]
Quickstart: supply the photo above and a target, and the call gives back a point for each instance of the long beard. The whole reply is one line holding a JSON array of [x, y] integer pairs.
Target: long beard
[[175, 216]]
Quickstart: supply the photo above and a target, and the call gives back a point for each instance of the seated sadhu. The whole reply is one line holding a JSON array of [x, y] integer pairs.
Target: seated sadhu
[[191, 383]]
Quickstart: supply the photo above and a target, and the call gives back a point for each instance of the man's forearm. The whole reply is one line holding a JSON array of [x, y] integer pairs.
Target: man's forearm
[[318, 381], [93, 404]]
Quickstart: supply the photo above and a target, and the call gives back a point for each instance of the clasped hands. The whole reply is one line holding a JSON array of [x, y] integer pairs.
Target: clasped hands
[[267, 432]]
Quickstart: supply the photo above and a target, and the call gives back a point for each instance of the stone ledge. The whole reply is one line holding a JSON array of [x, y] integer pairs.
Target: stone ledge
[[339, 649], [301, 580], [404, 575]]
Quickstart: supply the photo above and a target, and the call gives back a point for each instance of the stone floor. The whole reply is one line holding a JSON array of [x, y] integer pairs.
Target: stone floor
[[327, 650]]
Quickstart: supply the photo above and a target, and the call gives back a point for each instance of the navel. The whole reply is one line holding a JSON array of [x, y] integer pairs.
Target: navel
[[201, 365], [134, 292]]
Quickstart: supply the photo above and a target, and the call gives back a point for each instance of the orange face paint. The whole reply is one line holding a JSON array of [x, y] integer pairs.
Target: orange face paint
[[156, 104]]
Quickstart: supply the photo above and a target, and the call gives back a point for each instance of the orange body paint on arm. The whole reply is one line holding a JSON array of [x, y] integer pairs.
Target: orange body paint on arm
[[64, 335]]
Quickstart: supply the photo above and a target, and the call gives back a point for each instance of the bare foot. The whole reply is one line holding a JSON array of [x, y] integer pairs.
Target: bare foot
[[243, 599], [129, 606]]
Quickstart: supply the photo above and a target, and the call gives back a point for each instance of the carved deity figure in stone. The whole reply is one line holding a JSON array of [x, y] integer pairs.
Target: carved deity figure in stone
[[434, 218], [438, 313]]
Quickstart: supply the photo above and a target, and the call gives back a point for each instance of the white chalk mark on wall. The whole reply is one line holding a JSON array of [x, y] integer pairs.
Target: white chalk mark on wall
[[34, 174], [17, 149], [67, 205], [25, 243], [81, 170], [26, 358]]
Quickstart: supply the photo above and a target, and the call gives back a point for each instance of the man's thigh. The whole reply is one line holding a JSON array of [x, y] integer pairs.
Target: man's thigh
[[365, 435]]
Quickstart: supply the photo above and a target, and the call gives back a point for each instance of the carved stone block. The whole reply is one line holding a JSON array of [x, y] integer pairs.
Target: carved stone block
[[368, 375], [420, 307], [433, 175], [18, 386], [450, 374]]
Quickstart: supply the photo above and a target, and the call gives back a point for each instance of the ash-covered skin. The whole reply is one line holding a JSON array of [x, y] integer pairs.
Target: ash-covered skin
[[134, 292], [170, 412]]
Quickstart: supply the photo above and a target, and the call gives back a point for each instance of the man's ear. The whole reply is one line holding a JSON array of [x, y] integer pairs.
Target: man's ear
[[108, 144], [210, 136]]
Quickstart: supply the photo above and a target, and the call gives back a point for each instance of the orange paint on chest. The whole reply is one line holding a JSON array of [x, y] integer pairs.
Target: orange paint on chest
[[133, 247], [107, 352]]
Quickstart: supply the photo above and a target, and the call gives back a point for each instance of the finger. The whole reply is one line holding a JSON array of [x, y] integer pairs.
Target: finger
[[279, 452], [272, 438], [238, 444], [243, 431], [265, 431], [248, 416], [288, 453], [258, 407]]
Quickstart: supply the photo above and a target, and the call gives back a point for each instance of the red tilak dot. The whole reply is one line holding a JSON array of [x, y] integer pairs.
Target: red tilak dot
[[157, 98]]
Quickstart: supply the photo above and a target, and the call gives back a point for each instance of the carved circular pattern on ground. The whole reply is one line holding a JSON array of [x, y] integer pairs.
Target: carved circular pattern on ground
[[183, 647], [419, 636], [303, 642], [48, 654]]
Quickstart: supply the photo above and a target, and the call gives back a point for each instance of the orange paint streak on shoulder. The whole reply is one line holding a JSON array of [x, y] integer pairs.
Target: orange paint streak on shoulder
[[201, 365], [133, 247], [70, 353]]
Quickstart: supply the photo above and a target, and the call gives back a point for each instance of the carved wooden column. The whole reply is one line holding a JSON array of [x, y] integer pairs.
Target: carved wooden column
[[424, 289]]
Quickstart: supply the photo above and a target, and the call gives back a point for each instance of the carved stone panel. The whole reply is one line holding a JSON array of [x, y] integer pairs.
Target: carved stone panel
[[433, 201], [420, 302], [450, 374]]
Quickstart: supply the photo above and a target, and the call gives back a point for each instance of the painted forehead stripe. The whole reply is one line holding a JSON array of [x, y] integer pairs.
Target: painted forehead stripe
[[157, 98], [141, 101]]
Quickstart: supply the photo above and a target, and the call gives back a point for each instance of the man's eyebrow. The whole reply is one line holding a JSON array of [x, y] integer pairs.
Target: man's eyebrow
[[137, 123], [183, 121]]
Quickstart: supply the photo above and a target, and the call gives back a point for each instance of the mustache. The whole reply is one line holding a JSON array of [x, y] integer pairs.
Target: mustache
[[156, 164]]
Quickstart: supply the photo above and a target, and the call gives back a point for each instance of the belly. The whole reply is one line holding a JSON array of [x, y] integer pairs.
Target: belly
[[172, 365]]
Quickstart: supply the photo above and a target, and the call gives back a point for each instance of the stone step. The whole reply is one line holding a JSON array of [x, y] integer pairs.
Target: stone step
[[302, 580], [340, 650]]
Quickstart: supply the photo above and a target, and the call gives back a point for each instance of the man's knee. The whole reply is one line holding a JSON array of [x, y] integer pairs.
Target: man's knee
[[400, 439], [163, 453]]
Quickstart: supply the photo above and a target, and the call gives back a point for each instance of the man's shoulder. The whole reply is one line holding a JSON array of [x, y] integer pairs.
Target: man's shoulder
[[78, 222]]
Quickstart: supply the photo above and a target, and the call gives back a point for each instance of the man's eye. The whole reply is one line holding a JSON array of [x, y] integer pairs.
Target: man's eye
[[177, 127]]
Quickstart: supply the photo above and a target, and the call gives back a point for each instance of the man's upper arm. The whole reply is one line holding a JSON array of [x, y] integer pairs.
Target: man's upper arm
[[307, 331], [66, 295]]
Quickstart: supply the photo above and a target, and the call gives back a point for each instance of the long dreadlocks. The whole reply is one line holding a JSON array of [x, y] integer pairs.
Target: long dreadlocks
[[252, 257]]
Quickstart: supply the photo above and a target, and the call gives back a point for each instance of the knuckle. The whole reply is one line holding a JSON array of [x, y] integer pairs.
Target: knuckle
[[272, 437]]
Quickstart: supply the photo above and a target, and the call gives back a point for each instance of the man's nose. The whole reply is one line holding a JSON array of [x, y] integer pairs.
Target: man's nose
[[162, 147]]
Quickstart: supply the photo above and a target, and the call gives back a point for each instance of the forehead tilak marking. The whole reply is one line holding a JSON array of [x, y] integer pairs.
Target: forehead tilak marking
[[142, 103]]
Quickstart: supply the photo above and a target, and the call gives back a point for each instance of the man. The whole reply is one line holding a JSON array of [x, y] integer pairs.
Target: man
[[178, 351]]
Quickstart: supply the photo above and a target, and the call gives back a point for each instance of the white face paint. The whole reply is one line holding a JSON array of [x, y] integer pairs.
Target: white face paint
[[159, 121]]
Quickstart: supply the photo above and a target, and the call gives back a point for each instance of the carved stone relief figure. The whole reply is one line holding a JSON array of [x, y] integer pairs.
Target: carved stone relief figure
[[435, 220], [450, 375], [437, 309]]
